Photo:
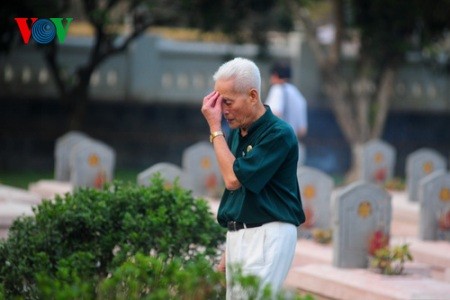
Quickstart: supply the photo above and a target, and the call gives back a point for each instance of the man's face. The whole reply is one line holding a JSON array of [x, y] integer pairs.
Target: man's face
[[236, 107]]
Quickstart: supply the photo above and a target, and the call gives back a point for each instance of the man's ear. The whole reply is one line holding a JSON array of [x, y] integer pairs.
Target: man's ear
[[254, 96]]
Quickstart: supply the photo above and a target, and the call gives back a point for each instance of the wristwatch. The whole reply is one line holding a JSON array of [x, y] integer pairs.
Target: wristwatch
[[215, 134]]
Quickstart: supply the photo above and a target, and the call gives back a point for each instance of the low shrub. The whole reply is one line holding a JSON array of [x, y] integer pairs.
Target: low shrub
[[80, 238], [147, 277]]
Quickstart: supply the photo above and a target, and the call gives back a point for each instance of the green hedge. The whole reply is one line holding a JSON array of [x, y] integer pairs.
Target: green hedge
[[121, 242], [82, 237]]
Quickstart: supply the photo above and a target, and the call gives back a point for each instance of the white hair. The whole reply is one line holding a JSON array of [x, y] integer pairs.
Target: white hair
[[244, 71]]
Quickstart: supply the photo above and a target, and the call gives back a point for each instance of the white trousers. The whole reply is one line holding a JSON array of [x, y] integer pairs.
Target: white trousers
[[266, 251]]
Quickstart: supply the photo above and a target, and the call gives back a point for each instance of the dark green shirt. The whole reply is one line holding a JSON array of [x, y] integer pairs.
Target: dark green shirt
[[266, 167]]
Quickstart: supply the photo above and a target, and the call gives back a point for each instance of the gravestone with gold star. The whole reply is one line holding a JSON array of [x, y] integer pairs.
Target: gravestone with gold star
[[169, 173], [434, 197], [360, 210], [378, 161], [91, 164], [315, 189], [419, 164], [200, 164]]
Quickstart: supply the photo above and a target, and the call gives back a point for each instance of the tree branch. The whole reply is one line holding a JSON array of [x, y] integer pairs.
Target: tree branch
[[50, 54], [335, 91], [338, 11], [310, 32], [383, 99]]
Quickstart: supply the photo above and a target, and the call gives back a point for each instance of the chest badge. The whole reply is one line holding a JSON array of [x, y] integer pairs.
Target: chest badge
[[249, 148]]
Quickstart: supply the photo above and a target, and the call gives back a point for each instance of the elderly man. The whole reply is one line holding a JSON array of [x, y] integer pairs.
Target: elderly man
[[261, 205]]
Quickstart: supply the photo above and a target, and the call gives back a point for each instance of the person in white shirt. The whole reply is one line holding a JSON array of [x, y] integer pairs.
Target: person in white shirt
[[286, 101]]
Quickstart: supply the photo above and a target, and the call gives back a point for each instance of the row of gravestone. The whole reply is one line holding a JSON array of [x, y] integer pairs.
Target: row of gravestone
[[199, 171], [86, 162], [358, 210], [378, 163]]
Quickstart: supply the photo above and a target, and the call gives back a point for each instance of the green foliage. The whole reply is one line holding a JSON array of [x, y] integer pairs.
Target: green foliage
[[159, 278], [395, 184], [322, 236], [391, 28], [82, 237], [147, 277], [248, 287]]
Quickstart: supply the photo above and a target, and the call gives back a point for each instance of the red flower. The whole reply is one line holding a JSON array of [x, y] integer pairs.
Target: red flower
[[309, 215], [377, 241], [100, 180], [380, 175], [444, 221], [211, 181]]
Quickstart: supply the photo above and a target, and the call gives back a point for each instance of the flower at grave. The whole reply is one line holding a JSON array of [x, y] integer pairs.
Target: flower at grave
[[205, 163], [444, 220], [211, 181], [378, 240], [390, 261], [168, 184], [322, 236], [100, 179], [309, 217], [428, 167], [380, 175], [309, 192]]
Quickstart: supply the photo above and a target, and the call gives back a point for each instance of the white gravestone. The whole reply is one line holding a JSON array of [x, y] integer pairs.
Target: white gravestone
[[434, 197], [378, 161], [168, 171], [359, 211], [92, 164], [200, 164], [301, 154], [419, 164], [315, 189], [63, 146]]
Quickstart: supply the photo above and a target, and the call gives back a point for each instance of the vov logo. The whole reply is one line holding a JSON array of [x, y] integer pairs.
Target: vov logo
[[43, 31]]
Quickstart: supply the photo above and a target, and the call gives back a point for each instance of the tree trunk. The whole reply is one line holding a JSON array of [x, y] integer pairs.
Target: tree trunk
[[357, 157], [77, 112], [78, 99], [383, 97]]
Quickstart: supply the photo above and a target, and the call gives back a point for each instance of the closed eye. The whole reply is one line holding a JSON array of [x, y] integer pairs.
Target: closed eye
[[227, 102]]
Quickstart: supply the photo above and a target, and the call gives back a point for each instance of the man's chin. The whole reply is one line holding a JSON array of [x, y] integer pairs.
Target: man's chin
[[232, 124]]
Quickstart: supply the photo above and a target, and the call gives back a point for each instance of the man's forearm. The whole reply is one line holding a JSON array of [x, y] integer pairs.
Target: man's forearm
[[226, 160]]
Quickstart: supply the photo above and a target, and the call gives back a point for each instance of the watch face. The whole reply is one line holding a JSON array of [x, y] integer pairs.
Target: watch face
[[214, 135]]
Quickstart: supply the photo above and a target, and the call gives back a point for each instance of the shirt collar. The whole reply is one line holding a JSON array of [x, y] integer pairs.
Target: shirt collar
[[262, 120]]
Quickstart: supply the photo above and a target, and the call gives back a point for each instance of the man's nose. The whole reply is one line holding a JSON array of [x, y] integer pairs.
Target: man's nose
[[224, 109]]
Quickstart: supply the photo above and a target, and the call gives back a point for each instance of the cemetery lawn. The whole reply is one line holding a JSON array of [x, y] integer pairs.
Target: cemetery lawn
[[22, 179]]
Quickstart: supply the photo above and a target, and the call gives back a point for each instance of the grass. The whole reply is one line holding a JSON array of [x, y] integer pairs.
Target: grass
[[22, 179]]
